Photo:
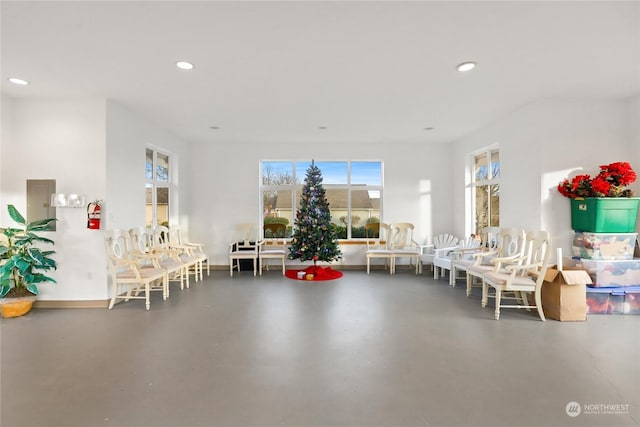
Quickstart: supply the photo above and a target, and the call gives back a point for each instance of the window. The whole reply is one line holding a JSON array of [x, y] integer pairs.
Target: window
[[157, 184], [353, 190], [485, 189]]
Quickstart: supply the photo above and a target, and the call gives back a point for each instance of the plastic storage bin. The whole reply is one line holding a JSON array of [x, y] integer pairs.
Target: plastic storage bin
[[613, 273], [613, 300], [604, 246], [604, 214]]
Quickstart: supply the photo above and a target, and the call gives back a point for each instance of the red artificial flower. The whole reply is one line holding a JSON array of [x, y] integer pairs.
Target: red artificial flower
[[610, 182], [600, 186]]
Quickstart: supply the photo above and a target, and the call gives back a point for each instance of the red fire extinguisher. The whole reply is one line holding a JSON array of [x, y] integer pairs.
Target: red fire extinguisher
[[93, 215]]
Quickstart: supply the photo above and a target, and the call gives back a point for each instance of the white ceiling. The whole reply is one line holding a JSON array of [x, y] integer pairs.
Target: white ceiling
[[277, 71]]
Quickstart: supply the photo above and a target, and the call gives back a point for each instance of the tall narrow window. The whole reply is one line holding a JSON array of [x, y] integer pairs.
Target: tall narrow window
[[485, 186], [157, 174], [353, 190]]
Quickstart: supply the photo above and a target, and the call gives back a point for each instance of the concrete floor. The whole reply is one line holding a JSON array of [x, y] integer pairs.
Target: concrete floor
[[364, 350]]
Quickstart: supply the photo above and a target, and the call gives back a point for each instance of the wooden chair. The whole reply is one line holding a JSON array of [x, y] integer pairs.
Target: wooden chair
[[378, 242], [463, 258], [170, 260], [403, 246], [246, 247], [190, 250], [273, 245], [520, 275], [444, 246], [439, 242], [126, 272], [510, 245]]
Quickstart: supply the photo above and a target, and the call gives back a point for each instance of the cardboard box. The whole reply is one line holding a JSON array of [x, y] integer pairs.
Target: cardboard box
[[564, 294]]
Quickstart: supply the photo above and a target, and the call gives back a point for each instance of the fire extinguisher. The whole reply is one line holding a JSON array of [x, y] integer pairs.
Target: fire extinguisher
[[93, 215]]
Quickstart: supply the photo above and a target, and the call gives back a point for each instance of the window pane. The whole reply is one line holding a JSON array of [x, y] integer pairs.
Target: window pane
[[162, 167], [481, 172], [338, 205], [369, 173], [494, 206], [149, 164], [277, 173], [277, 207], [332, 172], [365, 208], [482, 207], [149, 207], [495, 165], [162, 203]]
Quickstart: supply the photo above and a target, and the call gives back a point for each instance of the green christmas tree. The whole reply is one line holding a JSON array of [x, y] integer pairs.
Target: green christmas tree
[[314, 237]]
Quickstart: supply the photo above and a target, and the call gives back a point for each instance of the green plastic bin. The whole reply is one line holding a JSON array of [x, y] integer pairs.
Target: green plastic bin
[[604, 214]]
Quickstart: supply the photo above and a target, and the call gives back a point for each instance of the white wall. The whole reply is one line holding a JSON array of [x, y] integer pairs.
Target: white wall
[[224, 181], [93, 147], [128, 135], [62, 140], [541, 144]]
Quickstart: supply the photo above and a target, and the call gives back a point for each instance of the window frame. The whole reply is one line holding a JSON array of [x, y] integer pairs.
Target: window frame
[[154, 184], [473, 184], [298, 182]]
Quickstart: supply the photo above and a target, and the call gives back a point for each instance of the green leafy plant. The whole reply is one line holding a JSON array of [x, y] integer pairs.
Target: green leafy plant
[[21, 260]]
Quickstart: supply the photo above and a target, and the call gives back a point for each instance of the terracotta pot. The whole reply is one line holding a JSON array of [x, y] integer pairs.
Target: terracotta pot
[[15, 307]]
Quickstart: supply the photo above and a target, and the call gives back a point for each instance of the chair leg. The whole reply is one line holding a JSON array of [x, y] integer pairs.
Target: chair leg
[[260, 266], [525, 301], [485, 292], [114, 296], [469, 279], [254, 267], [498, 296], [283, 267], [146, 295], [231, 267], [539, 306]]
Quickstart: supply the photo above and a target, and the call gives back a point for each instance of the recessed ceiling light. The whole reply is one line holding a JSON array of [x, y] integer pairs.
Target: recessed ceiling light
[[428, 128], [323, 127], [214, 127], [466, 66], [184, 65], [17, 81]]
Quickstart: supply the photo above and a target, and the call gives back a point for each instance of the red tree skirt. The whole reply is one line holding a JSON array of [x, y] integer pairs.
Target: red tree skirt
[[318, 273]]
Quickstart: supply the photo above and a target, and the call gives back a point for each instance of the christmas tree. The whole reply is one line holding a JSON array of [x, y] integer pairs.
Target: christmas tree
[[314, 237]]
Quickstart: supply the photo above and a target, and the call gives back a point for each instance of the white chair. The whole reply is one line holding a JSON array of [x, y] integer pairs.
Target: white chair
[[463, 258], [378, 242], [273, 245], [170, 260], [510, 244], [190, 250], [522, 275], [443, 247], [128, 278], [403, 245], [428, 251], [141, 241], [246, 247]]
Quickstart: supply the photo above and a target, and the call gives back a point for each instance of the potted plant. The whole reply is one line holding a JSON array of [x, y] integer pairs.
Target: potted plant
[[603, 204], [22, 264]]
